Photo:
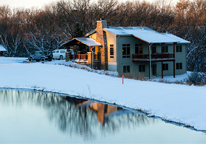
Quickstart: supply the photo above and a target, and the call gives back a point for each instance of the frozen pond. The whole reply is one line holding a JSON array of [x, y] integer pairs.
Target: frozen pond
[[33, 117]]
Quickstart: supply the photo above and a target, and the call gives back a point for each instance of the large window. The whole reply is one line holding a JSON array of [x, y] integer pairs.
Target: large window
[[165, 49], [126, 51], [165, 66], [141, 68], [154, 49], [138, 49], [111, 51], [178, 65], [126, 69], [178, 48]]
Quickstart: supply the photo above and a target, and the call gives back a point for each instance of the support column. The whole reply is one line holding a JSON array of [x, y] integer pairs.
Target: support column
[[67, 54], [149, 52], [174, 60], [162, 61], [162, 69], [174, 68]]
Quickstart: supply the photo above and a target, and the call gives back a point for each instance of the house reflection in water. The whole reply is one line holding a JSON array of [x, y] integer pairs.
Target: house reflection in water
[[103, 111]]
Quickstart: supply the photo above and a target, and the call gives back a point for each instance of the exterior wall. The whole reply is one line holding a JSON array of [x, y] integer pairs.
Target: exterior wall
[[112, 62], [93, 36], [134, 66], [180, 57], [2, 53]]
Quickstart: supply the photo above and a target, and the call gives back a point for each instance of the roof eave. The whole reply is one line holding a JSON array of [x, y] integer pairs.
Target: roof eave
[[86, 44]]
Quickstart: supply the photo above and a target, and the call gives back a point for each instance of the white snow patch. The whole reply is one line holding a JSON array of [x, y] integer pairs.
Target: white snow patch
[[175, 102]]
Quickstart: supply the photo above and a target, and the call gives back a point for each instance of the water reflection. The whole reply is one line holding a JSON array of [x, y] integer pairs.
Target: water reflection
[[77, 116]]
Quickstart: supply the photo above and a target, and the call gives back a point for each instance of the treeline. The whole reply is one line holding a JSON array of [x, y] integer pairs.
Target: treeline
[[22, 31]]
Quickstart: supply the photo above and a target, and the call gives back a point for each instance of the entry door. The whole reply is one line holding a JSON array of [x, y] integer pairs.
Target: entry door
[[1, 53], [154, 70]]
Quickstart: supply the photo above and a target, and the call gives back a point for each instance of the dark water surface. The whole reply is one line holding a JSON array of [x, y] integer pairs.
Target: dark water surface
[[32, 117]]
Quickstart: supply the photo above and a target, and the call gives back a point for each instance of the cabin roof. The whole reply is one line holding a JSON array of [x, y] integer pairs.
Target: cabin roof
[[2, 48], [91, 32], [146, 34], [86, 41]]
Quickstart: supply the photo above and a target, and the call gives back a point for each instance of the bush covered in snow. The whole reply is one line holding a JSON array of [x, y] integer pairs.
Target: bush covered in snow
[[197, 78]]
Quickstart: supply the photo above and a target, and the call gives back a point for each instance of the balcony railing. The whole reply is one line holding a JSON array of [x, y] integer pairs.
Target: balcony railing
[[153, 56], [73, 56], [82, 56]]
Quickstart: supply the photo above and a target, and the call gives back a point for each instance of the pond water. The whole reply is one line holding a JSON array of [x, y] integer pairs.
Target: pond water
[[33, 117]]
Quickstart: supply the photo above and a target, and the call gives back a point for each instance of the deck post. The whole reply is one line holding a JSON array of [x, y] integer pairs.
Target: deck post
[[149, 52], [162, 69], [162, 61], [174, 60], [174, 68]]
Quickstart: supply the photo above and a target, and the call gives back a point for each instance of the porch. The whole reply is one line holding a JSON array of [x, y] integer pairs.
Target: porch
[[90, 56]]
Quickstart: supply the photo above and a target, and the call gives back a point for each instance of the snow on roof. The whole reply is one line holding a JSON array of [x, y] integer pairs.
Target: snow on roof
[[91, 32], [180, 40], [88, 41], [2, 48], [143, 33]]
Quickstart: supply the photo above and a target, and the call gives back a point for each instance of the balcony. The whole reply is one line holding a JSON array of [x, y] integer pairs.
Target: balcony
[[154, 57]]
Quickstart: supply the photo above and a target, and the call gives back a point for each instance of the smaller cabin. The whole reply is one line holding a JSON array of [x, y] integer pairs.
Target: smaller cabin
[[2, 50]]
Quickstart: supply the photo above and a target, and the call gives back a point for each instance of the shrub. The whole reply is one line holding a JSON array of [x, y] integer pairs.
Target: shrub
[[195, 78]]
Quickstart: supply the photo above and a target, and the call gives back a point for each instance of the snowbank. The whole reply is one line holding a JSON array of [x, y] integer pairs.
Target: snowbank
[[175, 102]]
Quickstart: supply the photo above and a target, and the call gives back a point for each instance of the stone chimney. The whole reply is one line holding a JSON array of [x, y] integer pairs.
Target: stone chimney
[[102, 39]]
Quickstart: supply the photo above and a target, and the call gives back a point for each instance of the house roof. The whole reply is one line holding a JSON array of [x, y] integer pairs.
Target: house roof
[[180, 40], [88, 41], [2, 48], [91, 32], [146, 34]]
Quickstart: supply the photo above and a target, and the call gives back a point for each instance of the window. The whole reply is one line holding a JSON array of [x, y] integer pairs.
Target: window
[[126, 51], [111, 51], [178, 65], [62, 51], [126, 69], [138, 49], [141, 68], [179, 48], [154, 49], [165, 49], [165, 66]]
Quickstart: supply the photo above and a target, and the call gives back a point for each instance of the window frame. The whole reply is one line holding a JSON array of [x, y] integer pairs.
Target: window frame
[[125, 50], [111, 52], [178, 48], [165, 67], [154, 47], [138, 48], [126, 69], [178, 66], [141, 68], [165, 49]]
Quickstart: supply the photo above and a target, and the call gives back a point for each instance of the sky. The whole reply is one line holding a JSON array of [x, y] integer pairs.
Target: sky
[[34, 3]]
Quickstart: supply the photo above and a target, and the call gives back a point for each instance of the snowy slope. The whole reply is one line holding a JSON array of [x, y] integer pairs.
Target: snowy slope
[[179, 103]]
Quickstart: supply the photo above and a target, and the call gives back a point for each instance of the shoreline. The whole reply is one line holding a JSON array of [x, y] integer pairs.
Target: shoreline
[[139, 111]]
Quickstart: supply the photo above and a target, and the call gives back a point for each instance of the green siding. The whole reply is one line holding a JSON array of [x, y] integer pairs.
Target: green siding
[[180, 57]]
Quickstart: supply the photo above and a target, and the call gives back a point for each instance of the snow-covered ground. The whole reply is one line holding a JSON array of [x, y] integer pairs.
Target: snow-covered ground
[[175, 102]]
